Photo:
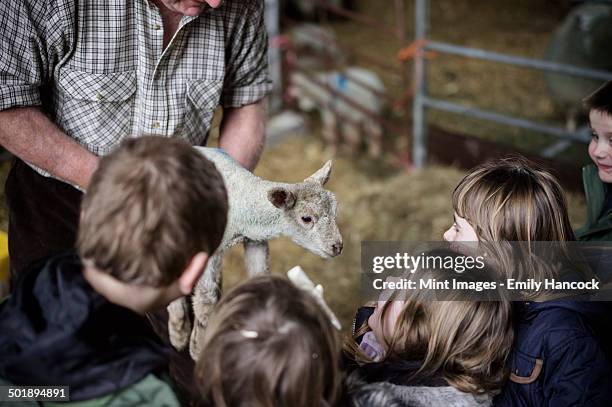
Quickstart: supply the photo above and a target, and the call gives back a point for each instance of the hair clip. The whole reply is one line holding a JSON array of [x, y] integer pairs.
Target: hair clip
[[284, 329], [249, 334]]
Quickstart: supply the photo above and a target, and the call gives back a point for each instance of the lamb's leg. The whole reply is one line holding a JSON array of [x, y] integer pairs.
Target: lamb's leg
[[179, 323], [205, 296], [330, 130], [352, 136], [374, 136], [256, 257]]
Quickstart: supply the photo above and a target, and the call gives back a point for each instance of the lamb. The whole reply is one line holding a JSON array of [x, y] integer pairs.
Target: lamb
[[316, 46], [338, 116], [258, 211]]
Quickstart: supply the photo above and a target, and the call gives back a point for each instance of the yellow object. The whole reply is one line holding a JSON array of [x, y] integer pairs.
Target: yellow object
[[4, 265]]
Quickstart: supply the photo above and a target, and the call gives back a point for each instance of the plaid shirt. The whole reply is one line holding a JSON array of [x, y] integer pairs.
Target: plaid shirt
[[99, 70]]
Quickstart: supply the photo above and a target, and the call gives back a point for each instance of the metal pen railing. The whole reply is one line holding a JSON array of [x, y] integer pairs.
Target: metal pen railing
[[422, 100]]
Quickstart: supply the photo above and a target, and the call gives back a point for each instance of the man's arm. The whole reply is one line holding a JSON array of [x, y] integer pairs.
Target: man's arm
[[36, 35], [30, 135], [246, 82], [243, 133]]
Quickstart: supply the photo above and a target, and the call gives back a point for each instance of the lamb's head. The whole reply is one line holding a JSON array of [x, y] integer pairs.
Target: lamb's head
[[309, 213]]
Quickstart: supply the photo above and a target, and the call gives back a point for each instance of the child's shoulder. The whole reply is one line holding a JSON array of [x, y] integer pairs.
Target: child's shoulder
[[557, 333], [555, 323], [43, 288], [556, 348]]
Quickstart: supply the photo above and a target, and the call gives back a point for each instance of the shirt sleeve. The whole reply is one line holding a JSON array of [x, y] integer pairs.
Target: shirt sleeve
[[31, 42], [247, 79]]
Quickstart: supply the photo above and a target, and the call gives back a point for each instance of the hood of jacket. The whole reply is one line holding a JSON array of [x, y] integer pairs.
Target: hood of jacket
[[56, 330], [393, 385]]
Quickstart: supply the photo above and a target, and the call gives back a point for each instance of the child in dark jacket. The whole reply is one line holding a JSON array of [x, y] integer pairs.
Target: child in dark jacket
[[419, 349], [154, 211], [556, 360]]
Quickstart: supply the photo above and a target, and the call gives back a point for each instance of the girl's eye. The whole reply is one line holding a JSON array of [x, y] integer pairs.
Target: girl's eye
[[595, 136], [306, 219]]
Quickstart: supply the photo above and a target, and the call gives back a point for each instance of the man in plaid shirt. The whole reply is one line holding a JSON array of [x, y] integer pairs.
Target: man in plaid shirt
[[77, 76]]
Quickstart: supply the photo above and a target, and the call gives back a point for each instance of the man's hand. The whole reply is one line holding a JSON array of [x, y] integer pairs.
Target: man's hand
[[243, 133], [30, 135]]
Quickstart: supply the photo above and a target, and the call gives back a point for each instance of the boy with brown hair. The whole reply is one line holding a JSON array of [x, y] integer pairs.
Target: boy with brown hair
[[155, 211], [597, 177]]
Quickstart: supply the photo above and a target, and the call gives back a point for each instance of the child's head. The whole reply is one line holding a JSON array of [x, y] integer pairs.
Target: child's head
[[464, 338], [509, 200], [269, 344], [154, 211], [599, 106]]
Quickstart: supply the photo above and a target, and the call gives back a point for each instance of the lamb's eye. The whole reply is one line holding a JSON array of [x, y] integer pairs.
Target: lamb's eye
[[306, 219]]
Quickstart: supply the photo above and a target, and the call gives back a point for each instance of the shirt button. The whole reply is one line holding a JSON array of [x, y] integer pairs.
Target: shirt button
[[156, 125], [157, 27], [99, 96]]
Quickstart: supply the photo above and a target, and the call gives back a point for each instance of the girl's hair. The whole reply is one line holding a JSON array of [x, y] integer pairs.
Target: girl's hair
[[512, 200], [519, 213], [464, 339], [269, 344]]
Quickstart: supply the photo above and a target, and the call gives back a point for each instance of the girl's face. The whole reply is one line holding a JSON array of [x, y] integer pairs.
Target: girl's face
[[460, 231], [600, 148], [383, 327]]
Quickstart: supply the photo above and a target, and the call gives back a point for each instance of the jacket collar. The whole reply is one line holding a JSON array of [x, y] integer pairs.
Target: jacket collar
[[595, 193]]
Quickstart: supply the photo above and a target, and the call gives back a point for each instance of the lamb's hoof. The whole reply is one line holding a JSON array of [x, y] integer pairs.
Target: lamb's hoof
[[196, 337], [179, 325]]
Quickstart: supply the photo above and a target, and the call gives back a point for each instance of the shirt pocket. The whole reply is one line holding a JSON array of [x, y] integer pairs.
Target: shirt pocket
[[97, 109], [525, 372], [202, 98]]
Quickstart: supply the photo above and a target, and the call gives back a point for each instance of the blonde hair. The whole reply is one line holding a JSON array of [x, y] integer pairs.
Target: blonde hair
[[513, 200], [152, 204], [464, 340], [519, 213], [269, 344]]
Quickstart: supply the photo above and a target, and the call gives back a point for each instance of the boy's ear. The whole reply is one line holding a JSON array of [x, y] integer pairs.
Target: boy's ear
[[192, 273]]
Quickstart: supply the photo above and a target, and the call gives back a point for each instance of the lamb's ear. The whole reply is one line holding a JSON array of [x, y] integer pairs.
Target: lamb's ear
[[322, 174], [281, 198]]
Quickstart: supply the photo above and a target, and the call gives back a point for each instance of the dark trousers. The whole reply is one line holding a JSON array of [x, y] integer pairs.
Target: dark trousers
[[43, 216], [43, 220]]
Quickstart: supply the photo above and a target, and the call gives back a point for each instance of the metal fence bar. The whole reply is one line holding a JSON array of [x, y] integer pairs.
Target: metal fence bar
[[503, 119], [422, 101], [390, 126], [363, 19], [272, 18], [518, 61], [334, 65], [419, 131]]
